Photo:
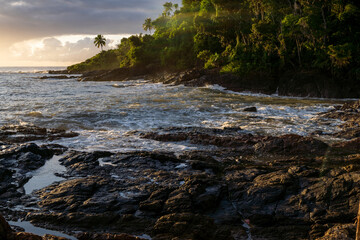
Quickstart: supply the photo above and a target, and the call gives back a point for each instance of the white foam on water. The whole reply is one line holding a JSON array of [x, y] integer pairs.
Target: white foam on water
[[104, 112]]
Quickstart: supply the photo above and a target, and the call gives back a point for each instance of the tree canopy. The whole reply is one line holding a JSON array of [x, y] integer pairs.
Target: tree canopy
[[240, 36]]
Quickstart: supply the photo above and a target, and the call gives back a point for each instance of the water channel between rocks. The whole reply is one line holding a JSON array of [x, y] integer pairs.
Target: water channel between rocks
[[28, 227], [45, 175]]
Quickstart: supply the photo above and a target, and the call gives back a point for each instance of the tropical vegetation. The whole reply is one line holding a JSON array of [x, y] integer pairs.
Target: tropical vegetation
[[239, 36], [100, 41]]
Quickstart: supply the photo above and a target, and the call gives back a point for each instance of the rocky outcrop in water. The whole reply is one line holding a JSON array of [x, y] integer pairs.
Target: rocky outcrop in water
[[58, 77], [300, 83], [349, 113], [27, 133]]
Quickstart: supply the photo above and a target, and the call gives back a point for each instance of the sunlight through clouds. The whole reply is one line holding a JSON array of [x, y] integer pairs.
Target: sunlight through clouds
[[25, 24], [61, 49], [18, 4]]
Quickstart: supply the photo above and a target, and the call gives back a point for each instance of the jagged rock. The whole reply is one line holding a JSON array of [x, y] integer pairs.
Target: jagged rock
[[340, 231]]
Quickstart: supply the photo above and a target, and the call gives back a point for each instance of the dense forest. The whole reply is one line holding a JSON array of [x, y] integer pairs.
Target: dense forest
[[239, 36]]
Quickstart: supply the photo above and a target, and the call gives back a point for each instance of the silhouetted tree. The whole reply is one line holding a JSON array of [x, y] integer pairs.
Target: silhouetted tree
[[100, 41]]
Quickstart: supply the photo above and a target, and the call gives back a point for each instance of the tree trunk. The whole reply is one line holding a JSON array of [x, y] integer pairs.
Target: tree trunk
[[299, 51], [325, 23]]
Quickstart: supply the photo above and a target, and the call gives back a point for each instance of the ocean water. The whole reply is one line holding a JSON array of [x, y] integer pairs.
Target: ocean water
[[105, 112]]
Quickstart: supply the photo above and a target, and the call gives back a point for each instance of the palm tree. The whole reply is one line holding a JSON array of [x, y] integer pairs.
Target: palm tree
[[168, 7], [100, 41], [148, 25]]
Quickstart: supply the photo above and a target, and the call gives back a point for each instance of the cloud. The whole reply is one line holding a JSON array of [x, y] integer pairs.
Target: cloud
[[22, 21], [40, 18], [56, 51]]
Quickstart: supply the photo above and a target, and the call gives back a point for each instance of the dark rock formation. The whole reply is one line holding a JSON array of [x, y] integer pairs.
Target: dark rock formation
[[58, 72], [302, 83], [283, 187], [250, 109], [21, 134], [246, 143], [58, 77]]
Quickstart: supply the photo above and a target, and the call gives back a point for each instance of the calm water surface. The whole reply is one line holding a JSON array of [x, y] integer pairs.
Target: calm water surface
[[104, 112]]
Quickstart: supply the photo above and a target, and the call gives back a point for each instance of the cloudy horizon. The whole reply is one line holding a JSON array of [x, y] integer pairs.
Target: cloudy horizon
[[61, 32]]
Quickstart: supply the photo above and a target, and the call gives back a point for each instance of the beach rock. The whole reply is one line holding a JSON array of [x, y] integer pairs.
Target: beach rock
[[291, 144], [58, 77], [6, 233], [186, 226], [302, 83], [119, 74], [58, 72], [22, 134], [250, 109], [349, 112], [340, 231], [106, 236], [288, 186], [352, 146], [5, 229], [246, 143]]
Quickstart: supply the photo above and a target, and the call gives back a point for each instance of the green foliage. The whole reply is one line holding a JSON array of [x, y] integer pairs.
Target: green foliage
[[148, 26], [105, 60], [100, 41], [240, 36]]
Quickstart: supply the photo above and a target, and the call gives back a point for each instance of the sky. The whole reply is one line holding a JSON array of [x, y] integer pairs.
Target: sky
[[61, 32]]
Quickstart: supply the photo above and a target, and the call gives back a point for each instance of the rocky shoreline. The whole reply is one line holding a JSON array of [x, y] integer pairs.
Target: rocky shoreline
[[242, 186], [296, 83]]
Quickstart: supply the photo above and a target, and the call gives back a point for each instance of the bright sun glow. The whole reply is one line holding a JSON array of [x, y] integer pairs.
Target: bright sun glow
[[58, 50]]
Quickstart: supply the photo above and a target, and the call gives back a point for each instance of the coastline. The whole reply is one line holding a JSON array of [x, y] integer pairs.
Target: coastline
[[293, 83]]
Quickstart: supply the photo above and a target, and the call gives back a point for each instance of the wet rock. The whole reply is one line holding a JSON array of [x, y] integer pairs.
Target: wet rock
[[186, 226], [250, 109], [58, 72], [291, 144], [30, 161], [21, 134], [6, 233], [340, 231], [350, 114], [106, 236], [27, 236], [285, 186], [246, 143], [156, 200], [15, 151], [119, 74], [352, 146], [58, 77], [5, 229]]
